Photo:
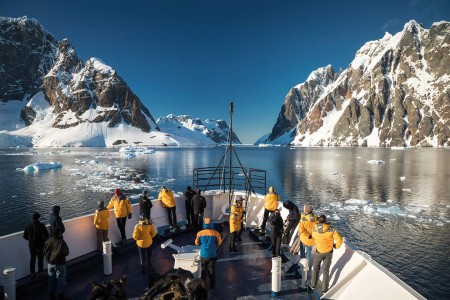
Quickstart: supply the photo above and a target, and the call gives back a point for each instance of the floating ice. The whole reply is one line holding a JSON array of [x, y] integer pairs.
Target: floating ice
[[128, 154], [402, 178], [356, 202], [406, 190], [42, 166], [298, 166], [376, 162], [138, 150], [392, 210]]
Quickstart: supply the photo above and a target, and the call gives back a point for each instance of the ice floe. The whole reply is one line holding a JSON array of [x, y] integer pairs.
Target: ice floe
[[376, 162], [41, 166], [421, 213]]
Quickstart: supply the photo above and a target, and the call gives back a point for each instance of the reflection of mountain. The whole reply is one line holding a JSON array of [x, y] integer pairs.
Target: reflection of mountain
[[324, 176], [394, 93]]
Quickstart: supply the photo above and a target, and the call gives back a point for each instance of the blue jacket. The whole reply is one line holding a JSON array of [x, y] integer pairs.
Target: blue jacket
[[209, 240]]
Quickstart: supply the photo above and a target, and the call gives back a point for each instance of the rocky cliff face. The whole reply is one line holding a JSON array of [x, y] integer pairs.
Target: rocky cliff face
[[395, 93], [33, 62]]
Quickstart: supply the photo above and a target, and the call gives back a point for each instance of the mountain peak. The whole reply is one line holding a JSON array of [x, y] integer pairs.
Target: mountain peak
[[100, 66], [393, 94]]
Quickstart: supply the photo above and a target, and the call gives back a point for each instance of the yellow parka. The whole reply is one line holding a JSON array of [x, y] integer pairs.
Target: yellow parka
[[166, 196], [236, 216], [121, 205], [307, 222], [144, 233], [101, 219], [325, 236], [272, 200]]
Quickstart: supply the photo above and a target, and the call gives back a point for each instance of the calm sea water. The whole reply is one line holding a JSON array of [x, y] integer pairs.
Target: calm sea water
[[397, 210]]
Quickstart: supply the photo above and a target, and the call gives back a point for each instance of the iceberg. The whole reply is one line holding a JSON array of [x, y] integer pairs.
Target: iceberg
[[42, 166]]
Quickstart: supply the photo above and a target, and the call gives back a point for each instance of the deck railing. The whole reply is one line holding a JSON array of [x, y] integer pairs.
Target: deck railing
[[218, 178]]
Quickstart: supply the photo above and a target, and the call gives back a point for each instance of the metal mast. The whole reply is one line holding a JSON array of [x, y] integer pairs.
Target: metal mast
[[230, 148]]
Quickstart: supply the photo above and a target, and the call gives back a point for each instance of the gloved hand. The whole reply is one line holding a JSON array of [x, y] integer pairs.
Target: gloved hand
[[129, 216]]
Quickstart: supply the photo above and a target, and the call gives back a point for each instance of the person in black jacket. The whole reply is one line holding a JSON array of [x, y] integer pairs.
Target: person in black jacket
[[189, 194], [145, 205], [56, 221], [55, 252], [198, 207], [292, 220], [36, 234], [276, 232]]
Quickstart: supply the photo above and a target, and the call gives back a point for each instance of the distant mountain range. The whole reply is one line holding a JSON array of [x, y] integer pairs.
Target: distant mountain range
[[49, 97], [395, 93]]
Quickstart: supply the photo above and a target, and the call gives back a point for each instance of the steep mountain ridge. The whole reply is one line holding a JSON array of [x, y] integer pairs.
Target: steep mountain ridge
[[49, 97], [395, 93]]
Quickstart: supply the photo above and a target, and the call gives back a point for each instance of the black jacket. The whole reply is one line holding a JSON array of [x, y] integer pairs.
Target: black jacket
[[189, 194], [145, 205], [198, 204], [55, 251], [36, 234], [55, 220], [276, 222], [294, 213]]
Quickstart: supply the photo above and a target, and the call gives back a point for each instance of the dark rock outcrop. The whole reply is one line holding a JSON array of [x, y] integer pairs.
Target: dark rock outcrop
[[34, 61]]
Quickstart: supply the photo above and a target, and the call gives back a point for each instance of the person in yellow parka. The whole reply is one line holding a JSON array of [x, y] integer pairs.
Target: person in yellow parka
[[143, 233], [272, 200], [101, 222], [307, 221], [122, 210], [168, 201], [236, 216], [327, 237]]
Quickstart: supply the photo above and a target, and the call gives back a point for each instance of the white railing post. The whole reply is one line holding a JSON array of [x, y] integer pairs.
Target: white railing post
[[276, 275], [107, 258], [304, 264]]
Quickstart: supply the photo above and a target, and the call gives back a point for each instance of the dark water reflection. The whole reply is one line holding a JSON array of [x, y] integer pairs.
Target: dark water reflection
[[403, 224]]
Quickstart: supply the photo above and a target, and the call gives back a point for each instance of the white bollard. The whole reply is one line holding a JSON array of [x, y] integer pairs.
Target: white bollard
[[304, 264], [107, 258], [107, 247], [9, 283], [276, 275]]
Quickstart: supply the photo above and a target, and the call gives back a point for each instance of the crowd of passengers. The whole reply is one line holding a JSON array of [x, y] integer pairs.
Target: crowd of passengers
[[312, 231]]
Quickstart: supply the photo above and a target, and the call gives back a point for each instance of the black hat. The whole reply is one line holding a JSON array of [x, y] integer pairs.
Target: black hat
[[36, 216]]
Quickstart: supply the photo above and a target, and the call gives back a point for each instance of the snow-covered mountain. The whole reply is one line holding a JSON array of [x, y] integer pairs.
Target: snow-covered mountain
[[395, 93], [49, 97], [210, 131]]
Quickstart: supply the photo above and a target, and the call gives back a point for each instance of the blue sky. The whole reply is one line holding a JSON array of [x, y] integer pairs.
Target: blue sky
[[194, 57]]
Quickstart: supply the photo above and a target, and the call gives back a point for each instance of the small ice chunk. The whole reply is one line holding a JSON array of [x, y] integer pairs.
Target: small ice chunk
[[376, 162], [402, 178]]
